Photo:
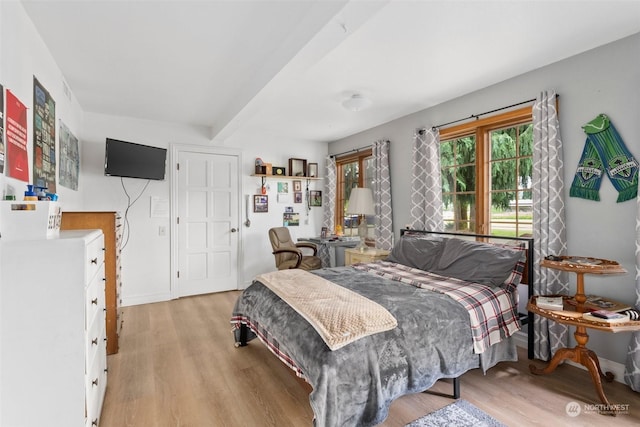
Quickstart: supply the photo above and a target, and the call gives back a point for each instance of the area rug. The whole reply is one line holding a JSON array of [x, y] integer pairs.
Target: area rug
[[458, 414]]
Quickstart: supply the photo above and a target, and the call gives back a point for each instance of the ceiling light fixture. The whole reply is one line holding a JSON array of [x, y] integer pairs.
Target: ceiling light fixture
[[356, 102]]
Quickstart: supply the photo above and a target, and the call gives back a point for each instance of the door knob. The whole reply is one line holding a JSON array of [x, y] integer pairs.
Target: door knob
[[233, 230]]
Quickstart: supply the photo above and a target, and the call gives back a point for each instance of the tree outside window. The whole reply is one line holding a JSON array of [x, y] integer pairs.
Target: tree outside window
[[487, 168]]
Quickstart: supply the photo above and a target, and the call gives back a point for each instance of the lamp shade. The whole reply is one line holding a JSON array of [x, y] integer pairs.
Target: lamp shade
[[361, 202]]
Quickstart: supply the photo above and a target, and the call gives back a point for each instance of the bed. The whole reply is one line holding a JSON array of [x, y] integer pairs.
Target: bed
[[453, 301]]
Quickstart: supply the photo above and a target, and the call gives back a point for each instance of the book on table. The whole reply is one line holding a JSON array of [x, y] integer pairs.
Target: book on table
[[606, 316], [549, 302]]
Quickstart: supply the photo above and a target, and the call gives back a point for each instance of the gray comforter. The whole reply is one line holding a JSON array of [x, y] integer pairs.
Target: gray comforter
[[355, 385]]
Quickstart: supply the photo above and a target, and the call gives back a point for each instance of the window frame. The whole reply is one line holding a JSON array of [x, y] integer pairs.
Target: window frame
[[481, 128], [359, 156]]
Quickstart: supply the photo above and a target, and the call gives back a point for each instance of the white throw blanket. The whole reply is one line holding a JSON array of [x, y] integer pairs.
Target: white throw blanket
[[340, 316]]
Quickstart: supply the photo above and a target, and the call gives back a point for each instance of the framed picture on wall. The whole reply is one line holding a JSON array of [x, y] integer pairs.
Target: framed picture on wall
[[260, 203], [315, 198], [313, 170], [297, 197], [297, 185], [290, 219], [283, 187], [297, 167]]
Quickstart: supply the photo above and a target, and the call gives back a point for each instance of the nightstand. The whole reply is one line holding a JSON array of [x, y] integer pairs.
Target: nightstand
[[353, 256], [580, 353]]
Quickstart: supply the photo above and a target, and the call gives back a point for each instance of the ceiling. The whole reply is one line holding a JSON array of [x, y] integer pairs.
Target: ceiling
[[283, 68]]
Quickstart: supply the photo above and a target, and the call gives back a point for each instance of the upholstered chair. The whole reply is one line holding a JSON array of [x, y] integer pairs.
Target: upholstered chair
[[289, 254]]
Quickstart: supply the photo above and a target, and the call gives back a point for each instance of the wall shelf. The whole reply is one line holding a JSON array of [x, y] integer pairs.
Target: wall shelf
[[264, 177], [313, 178]]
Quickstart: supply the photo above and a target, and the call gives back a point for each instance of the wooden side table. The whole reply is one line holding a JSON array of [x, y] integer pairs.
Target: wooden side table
[[353, 256], [580, 353]]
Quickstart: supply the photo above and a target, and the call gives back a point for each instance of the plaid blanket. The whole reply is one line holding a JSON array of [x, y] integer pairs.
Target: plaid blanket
[[492, 313], [267, 339]]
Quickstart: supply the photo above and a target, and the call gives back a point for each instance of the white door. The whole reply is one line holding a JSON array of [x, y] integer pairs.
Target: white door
[[206, 222]]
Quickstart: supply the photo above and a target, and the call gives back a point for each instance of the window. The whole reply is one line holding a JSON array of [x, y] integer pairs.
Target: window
[[487, 169], [354, 170]]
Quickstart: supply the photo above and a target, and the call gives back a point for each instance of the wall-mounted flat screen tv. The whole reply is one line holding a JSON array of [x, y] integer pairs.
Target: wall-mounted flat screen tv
[[131, 160]]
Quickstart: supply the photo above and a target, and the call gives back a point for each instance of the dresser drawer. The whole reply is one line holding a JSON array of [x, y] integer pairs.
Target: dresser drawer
[[95, 257], [94, 294], [95, 341], [96, 383]]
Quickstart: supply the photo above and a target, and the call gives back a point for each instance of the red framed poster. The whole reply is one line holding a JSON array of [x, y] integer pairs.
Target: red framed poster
[[2, 145], [16, 136]]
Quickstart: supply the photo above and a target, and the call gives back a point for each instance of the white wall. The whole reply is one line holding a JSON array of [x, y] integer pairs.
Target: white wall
[[604, 80], [146, 258], [23, 56], [256, 246]]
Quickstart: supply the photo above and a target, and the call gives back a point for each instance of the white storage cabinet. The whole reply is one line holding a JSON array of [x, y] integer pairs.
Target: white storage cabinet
[[53, 363]]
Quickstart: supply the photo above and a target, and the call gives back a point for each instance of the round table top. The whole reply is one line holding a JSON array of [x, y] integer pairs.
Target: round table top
[[581, 264]]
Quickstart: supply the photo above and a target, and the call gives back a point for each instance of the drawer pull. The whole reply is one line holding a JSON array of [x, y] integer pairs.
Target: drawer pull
[[94, 301], [94, 261], [94, 341], [94, 382], [94, 422]]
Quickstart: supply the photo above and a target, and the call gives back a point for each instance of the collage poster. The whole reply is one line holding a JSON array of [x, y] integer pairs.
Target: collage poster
[[69, 158], [44, 138], [1, 129], [16, 138]]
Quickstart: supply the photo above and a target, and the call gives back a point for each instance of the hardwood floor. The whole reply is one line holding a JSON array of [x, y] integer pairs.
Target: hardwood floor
[[177, 366]]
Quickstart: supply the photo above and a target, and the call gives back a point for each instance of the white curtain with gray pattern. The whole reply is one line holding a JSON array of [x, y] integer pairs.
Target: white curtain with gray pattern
[[329, 201], [426, 185], [548, 219], [632, 365], [330, 195], [382, 195]]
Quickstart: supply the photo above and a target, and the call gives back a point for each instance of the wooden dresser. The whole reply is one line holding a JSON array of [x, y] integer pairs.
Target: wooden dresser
[[53, 360], [110, 224], [353, 256]]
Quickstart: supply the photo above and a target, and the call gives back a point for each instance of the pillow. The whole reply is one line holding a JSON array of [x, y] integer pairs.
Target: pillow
[[479, 262], [417, 252]]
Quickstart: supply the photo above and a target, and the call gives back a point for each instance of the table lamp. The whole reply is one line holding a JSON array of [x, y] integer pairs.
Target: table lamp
[[361, 204]]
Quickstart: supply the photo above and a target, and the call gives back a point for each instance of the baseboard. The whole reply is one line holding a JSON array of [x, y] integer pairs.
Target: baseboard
[[617, 369]]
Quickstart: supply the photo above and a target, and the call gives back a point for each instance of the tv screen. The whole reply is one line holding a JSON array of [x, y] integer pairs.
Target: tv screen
[[131, 160]]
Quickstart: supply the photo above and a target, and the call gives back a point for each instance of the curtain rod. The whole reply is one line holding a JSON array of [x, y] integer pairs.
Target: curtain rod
[[477, 116], [351, 151]]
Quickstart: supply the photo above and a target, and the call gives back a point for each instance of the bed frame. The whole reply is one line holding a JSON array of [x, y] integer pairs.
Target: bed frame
[[528, 274], [527, 278]]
